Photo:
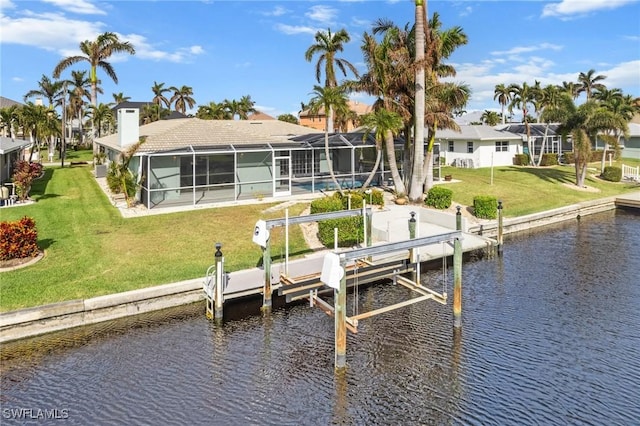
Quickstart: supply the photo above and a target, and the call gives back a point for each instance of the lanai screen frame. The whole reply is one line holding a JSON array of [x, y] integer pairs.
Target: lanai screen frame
[[347, 151]]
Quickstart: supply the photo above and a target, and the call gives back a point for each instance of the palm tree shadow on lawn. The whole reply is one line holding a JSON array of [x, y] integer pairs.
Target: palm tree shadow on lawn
[[551, 175]]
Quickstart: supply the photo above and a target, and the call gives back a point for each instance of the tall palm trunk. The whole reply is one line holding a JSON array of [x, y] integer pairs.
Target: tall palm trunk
[[330, 162], [375, 168], [393, 164], [416, 189], [544, 142]]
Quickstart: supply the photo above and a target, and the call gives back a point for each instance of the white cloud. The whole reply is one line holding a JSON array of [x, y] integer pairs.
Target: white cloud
[[322, 14], [276, 11], [295, 29], [77, 6], [527, 49], [146, 50], [48, 31], [569, 8]]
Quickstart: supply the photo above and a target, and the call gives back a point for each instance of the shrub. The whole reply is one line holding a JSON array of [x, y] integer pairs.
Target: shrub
[[549, 159], [377, 197], [612, 174], [439, 197], [18, 239], [24, 174], [350, 229], [485, 207], [521, 160]]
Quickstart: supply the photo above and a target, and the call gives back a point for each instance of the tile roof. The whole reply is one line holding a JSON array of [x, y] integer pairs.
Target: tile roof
[[168, 135], [6, 102]]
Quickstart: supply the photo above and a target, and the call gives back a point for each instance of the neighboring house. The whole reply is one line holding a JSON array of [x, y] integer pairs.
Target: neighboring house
[[140, 106], [478, 146], [539, 133], [318, 121], [631, 146], [11, 150], [191, 161], [259, 115], [6, 102]]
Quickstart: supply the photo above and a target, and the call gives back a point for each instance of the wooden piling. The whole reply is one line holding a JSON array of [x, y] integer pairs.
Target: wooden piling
[[341, 320], [499, 227], [219, 284], [266, 264], [457, 283]]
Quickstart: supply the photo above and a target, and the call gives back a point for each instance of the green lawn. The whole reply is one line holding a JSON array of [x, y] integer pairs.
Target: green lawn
[[91, 250], [525, 190]]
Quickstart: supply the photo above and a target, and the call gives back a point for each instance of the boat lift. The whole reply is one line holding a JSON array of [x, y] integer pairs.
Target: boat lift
[[334, 275]]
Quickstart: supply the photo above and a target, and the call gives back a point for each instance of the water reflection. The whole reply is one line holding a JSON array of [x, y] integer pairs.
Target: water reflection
[[549, 336]]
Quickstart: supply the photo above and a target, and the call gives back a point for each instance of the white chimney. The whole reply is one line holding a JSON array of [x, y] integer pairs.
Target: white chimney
[[128, 126]]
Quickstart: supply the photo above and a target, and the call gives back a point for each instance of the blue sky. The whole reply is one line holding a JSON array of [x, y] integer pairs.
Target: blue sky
[[228, 49]]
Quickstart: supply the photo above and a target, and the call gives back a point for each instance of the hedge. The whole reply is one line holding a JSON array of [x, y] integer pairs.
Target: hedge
[[350, 229], [485, 207], [612, 173], [439, 197]]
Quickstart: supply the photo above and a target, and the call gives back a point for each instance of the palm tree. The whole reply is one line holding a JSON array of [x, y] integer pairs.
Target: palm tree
[[416, 190], [551, 103], [380, 122], [328, 98], [126, 182], [503, 95], [620, 111], [490, 118], [153, 112], [385, 81], [212, 111], [182, 98], [119, 98], [159, 98], [521, 97], [8, 119], [589, 82], [48, 89], [288, 118], [101, 117], [97, 52], [34, 120], [246, 106], [327, 45], [80, 90], [443, 99], [573, 89]]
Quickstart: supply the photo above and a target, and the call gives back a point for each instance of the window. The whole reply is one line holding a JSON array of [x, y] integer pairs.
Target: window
[[450, 148], [469, 147], [502, 146]]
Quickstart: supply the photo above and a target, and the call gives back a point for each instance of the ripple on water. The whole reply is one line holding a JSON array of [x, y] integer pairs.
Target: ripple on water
[[549, 337]]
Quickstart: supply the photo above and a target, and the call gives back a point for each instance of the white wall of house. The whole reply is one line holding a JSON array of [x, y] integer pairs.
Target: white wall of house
[[484, 153]]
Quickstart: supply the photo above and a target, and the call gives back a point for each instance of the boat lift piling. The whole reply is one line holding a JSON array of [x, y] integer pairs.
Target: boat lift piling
[[261, 236], [214, 284], [334, 275]]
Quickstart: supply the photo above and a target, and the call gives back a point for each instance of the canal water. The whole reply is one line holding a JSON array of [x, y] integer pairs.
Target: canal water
[[550, 336]]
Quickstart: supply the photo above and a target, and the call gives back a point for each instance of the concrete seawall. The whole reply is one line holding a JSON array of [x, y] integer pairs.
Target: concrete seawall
[[34, 321]]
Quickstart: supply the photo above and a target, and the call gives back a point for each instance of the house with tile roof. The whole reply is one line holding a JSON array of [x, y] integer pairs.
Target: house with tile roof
[[318, 120], [191, 161]]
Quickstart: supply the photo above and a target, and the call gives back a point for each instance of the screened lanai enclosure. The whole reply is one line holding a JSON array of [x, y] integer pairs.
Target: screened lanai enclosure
[[196, 175]]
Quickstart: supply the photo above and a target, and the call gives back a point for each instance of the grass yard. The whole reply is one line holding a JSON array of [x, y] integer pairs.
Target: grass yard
[[526, 190], [91, 250]]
